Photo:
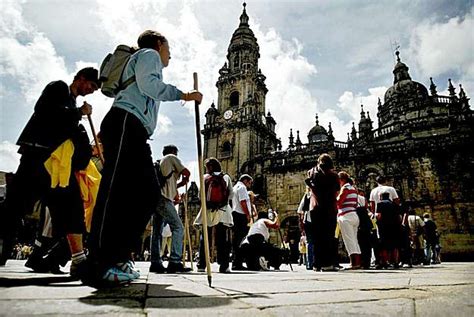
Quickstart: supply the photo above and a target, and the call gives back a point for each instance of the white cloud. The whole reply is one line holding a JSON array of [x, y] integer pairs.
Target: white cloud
[[28, 57], [288, 73], [10, 159], [448, 47], [350, 105]]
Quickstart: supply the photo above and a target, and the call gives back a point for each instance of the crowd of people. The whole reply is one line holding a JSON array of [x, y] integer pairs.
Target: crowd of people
[[378, 232], [97, 220]]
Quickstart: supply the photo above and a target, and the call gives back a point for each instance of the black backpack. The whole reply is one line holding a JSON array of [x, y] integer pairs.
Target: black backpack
[[159, 175]]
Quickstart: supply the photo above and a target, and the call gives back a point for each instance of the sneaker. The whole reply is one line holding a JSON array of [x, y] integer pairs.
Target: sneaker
[[263, 263], [157, 268], [117, 276], [129, 267], [177, 268]]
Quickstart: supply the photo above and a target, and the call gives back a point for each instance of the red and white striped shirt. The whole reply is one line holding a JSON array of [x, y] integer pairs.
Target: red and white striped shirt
[[347, 200]]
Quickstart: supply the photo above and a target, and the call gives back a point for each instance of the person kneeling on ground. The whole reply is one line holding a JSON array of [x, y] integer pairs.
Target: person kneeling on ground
[[258, 253]]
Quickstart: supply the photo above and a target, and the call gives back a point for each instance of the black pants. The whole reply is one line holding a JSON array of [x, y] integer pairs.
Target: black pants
[[128, 192], [364, 239], [30, 183], [325, 245], [222, 242], [66, 208], [239, 230], [258, 247]]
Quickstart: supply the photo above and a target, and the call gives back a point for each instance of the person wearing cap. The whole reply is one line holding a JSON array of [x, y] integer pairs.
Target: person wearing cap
[[173, 169], [128, 177], [241, 215], [55, 120]]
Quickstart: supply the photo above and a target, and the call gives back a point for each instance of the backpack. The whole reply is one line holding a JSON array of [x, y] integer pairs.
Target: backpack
[[217, 193], [112, 68], [161, 178]]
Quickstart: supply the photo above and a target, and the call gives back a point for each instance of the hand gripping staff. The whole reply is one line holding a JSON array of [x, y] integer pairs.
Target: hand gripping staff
[[201, 185], [96, 139]]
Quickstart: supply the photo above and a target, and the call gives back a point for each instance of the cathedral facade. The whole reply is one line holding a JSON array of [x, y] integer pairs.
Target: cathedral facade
[[423, 145]]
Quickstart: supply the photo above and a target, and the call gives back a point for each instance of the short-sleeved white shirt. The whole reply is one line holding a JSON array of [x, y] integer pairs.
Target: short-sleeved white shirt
[[377, 191], [240, 193], [259, 227]]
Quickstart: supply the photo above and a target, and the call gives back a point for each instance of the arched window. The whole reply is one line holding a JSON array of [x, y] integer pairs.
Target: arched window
[[234, 99], [236, 60]]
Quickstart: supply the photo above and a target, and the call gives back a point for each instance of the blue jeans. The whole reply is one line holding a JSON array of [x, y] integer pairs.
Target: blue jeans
[[165, 211]]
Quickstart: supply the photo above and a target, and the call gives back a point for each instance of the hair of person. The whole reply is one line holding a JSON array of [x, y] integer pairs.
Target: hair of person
[[262, 215], [213, 165], [426, 215], [380, 179], [149, 38], [245, 177], [170, 149], [344, 176], [88, 73], [325, 162]]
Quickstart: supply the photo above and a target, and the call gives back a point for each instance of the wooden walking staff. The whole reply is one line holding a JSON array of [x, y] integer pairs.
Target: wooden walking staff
[[96, 139], [187, 236], [201, 185]]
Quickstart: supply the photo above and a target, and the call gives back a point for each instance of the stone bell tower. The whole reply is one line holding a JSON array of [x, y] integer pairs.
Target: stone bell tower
[[237, 131]]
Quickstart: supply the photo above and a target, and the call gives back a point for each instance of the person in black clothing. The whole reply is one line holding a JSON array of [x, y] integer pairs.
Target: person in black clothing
[[388, 222], [431, 240], [324, 184], [55, 120]]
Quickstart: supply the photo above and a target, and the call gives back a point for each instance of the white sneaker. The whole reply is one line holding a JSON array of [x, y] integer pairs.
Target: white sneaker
[[263, 263], [129, 267]]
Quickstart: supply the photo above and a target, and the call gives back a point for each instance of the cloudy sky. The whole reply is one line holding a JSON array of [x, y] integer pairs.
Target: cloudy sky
[[325, 57]]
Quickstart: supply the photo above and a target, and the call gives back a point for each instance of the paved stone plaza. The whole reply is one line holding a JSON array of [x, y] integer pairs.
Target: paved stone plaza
[[440, 290]]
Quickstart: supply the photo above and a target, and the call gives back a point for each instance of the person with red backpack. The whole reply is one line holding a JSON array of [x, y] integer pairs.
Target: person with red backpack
[[219, 191]]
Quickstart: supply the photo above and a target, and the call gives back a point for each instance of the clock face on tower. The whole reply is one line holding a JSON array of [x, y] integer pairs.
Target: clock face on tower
[[228, 114]]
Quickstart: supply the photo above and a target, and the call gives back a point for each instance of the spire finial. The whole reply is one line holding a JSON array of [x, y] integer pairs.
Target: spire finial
[[317, 119], [379, 102], [462, 94], [244, 18], [433, 87], [291, 139], [451, 89], [362, 113], [398, 56]]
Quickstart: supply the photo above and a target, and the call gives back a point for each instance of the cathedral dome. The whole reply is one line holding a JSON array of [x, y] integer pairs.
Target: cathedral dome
[[406, 88], [317, 133], [400, 98]]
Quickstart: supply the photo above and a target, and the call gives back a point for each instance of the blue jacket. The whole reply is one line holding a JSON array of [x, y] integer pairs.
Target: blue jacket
[[142, 98]]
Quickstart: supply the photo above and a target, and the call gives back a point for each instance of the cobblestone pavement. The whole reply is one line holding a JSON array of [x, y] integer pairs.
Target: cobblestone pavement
[[438, 290]]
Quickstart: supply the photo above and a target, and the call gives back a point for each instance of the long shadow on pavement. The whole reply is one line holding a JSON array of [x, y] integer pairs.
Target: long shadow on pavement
[[165, 298], [38, 281]]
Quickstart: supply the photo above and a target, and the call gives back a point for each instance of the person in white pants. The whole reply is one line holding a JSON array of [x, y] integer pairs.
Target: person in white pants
[[347, 219]]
